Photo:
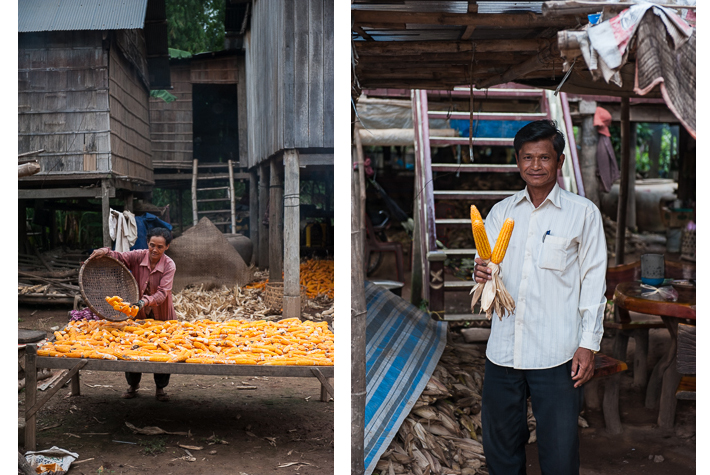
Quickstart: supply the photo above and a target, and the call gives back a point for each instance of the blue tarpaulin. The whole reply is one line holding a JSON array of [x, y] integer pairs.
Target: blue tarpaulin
[[403, 348]]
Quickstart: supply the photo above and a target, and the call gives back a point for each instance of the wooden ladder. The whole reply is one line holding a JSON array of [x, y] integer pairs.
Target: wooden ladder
[[227, 192], [428, 278]]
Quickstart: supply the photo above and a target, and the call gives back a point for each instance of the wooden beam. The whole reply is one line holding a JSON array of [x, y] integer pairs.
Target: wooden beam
[[61, 193], [436, 47], [624, 184], [292, 242], [564, 8], [32, 410], [468, 32], [309, 159], [385, 19], [535, 63]]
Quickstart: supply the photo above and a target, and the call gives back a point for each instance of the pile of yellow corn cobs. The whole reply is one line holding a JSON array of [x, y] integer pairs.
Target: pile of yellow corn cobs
[[317, 277], [120, 306], [287, 342]]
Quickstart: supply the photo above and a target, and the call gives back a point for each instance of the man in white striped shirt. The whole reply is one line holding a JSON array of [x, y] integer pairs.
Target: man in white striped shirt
[[555, 271]]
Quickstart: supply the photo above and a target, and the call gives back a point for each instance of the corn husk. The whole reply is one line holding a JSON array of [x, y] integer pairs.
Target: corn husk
[[442, 432], [240, 303], [493, 295]]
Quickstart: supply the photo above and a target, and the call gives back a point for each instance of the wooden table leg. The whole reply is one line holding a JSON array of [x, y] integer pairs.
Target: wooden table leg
[[30, 396], [612, 421], [640, 357], [75, 387], [655, 382], [671, 378]]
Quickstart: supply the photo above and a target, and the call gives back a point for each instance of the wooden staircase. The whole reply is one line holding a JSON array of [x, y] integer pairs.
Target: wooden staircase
[[428, 276], [224, 217]]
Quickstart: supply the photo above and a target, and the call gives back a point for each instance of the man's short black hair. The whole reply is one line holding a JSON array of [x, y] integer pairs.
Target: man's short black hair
[[540, 130], [160, 232]]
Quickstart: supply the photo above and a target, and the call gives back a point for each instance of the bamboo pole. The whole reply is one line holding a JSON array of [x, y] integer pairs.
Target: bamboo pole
[[232, 202], [358, 319], [624, 184], [194, 192]]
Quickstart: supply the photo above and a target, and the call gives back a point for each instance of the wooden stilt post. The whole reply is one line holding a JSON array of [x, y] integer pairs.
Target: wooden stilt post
[[194, 192], [358, 322], [292, 242], [22, 227], [30, 396], [254, 214], [631, 197], [588, 154], [105, 211], [232, 200], [128, 202], [263, 249], [276, 226], [624, 184]]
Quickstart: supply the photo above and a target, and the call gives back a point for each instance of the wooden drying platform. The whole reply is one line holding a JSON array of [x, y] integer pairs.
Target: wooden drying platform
[[34, 362]]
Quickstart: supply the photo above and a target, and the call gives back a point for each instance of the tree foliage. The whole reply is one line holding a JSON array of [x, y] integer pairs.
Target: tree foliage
[[196, 26]]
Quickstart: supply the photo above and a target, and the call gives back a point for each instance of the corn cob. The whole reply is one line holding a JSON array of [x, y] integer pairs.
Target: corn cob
[[502, 243], [288, 342], [475, 214], [483, 247]]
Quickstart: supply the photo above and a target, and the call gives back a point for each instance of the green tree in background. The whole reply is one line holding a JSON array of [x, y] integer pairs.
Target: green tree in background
[[196, 26]]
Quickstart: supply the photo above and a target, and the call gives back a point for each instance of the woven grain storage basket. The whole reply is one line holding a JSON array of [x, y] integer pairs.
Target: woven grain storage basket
[[105, 277], [687, 245], [274, 296]]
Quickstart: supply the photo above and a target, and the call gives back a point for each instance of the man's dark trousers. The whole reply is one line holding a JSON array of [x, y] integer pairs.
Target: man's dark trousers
[[161, 379], [556, 405]]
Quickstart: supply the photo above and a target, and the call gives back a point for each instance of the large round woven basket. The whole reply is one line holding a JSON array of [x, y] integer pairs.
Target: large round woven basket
[[274, 296], [103, 277]]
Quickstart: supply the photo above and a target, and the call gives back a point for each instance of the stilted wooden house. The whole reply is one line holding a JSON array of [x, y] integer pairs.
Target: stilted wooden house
[[85, 71], [289, 90]]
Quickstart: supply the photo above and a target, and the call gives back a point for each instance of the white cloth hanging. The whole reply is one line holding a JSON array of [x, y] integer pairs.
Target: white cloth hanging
[[122, 229]]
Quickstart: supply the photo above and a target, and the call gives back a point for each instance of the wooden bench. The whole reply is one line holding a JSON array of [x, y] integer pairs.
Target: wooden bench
[[686, 361], [606, 366], [625, 327]]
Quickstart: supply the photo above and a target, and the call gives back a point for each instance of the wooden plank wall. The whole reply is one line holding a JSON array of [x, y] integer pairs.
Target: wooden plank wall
[[289, 59], [130, 120], [63, 101], [214, 70], [171, 123]]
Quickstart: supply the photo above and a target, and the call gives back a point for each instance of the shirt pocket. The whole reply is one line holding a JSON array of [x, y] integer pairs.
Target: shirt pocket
[[553, 254]]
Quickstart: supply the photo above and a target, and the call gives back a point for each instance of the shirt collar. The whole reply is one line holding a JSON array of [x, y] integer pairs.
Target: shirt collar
[[160, 266], [553, 197]]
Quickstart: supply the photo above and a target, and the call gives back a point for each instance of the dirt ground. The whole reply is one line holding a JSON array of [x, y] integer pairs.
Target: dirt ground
[[281, 422], [627, 453]]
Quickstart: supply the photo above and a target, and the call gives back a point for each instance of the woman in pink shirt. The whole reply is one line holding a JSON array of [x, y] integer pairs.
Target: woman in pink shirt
[[154, 272]]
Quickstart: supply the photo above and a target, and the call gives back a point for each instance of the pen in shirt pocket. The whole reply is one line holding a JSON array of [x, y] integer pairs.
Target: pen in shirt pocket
[[545, 235]]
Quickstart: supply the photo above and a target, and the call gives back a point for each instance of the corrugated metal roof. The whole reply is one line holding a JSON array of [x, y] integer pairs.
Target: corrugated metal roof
[[63, 15]]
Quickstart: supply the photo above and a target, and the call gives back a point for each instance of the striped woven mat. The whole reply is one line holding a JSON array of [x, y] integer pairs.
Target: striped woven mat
[[403, 347]]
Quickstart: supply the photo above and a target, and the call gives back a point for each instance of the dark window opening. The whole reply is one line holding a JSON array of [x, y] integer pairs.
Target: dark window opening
[[214, 119]]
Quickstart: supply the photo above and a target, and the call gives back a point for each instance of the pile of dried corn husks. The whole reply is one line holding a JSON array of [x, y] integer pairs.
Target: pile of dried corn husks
[[442, 433], [245, 303]]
